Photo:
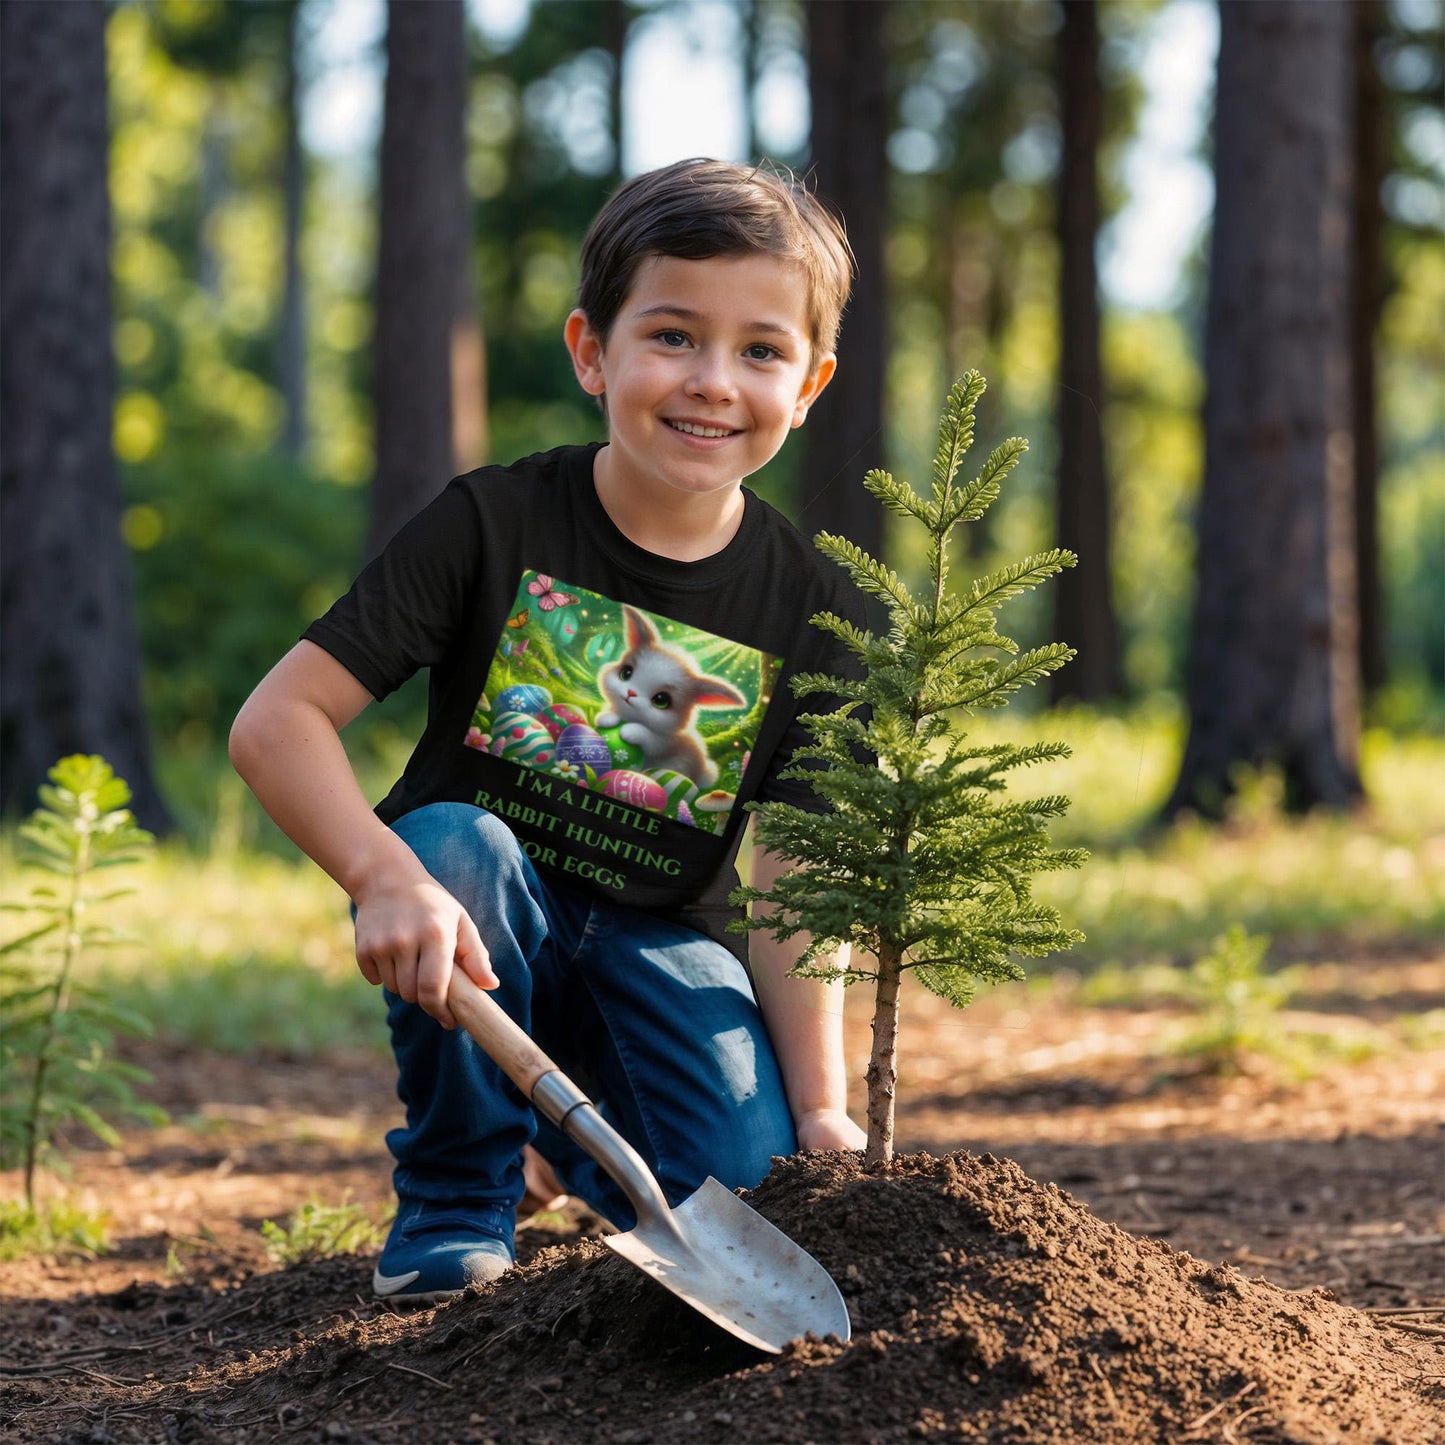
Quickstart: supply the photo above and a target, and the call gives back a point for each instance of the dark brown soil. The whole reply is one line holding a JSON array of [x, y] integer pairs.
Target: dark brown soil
[[988, 1302]]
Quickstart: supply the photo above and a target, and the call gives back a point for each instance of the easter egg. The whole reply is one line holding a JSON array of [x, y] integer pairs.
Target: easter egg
[[625, 755], [560, 716], [521, 739], [678, 788], [523, 697], [581, 746], [635, 789]]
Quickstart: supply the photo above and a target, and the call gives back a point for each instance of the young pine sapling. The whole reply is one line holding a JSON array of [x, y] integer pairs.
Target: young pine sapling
[[922, 861], [56, 1063]]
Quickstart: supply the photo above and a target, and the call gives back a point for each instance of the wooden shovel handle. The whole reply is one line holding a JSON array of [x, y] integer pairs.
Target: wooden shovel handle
[[507, 1044]]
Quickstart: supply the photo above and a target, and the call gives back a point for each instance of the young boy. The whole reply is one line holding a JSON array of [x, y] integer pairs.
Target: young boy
[[610, 632]]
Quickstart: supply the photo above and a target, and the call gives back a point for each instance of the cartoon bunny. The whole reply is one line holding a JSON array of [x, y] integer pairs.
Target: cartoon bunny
[[654, 691]]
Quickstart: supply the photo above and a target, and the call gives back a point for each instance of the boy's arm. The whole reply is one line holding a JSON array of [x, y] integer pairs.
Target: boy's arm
[[804, 1018], [286, 744]]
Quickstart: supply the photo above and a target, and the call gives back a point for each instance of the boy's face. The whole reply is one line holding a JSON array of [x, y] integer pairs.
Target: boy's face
[[708, 366]]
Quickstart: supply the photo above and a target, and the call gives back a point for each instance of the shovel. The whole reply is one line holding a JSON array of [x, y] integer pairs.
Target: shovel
[[713, 1251]]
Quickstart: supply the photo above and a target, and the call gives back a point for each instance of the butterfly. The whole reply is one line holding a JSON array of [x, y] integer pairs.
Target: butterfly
[[520, 620], [548, 599]]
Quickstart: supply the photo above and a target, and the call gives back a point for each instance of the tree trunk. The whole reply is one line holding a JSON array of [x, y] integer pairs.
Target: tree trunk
[[1372, 160], [1083, 595], [843, 439], [71, 680], [1273, 671], [882, 1075], [422, 247]]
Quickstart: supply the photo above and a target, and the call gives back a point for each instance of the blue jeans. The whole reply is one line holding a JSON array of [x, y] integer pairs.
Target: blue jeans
[[655, 1021]]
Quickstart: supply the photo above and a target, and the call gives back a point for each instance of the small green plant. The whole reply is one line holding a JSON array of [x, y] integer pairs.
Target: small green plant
[[1238, 1001], [56, 1227], [920, 862], [57, 1066], [321, 1231]]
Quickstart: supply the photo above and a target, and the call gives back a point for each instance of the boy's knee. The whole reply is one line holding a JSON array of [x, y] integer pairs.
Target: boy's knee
[[449, 835]]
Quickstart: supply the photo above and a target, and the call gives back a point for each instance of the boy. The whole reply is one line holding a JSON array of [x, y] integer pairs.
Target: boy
[[610, 632]]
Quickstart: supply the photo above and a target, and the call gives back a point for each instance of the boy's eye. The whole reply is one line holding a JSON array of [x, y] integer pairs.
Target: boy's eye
[[760, 351], [672, 338]]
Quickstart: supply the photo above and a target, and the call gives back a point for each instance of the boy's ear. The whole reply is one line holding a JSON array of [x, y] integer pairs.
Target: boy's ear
[[813, 387], [585, 348]]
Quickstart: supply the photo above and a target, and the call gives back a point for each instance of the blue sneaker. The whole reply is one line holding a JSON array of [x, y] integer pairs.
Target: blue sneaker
[[434, 1251]]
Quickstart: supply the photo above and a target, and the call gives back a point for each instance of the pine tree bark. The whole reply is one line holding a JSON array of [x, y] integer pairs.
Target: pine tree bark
[[422, 248], [843, 439], [882, 1075], [71, 679], [1273, 670], [1083, 595]]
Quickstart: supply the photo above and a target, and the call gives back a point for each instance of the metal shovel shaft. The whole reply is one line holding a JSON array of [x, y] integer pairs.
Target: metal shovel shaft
[[713, 1251]]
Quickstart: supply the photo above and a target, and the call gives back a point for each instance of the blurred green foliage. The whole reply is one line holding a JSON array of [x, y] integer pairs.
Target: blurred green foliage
[[237, 545]]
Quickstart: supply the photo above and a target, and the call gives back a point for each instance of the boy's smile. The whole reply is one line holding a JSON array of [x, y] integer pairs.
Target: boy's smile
[[708, 366]]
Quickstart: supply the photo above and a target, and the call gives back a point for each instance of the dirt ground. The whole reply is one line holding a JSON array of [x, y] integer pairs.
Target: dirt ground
[[1085, 1240]]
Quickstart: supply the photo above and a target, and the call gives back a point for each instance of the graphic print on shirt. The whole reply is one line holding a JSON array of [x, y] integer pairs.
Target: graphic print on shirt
[[649, 712]]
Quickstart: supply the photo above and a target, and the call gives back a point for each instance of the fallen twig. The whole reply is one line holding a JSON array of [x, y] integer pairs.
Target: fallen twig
[[421, 1374], [1208, 1415], [1432, 1331], [1103, 1380]]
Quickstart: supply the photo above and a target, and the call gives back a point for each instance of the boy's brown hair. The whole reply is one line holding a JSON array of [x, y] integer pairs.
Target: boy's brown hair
[[698, 209]]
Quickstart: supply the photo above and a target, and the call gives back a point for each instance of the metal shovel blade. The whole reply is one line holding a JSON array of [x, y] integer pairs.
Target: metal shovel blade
[[713, 1251], [731, 1265]]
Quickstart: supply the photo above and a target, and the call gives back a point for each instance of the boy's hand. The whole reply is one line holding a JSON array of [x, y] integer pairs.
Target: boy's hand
[[829, 1129], [408, 939]]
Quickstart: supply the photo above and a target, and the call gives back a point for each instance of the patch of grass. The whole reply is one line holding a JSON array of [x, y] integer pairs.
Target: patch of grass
[[238, 951], [1424, 1033], [1150, 894], [55, 1227], [323, 1231], [245, 1006], [248, 949]]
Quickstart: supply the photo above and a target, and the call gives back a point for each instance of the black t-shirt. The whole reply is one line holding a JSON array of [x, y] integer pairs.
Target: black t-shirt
[[616, 708]]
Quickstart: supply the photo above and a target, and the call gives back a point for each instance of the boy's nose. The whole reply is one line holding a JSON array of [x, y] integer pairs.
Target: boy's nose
[[712, 378]]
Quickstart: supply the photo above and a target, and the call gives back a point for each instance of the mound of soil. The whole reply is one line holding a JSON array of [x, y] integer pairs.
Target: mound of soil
[[985, 1307]]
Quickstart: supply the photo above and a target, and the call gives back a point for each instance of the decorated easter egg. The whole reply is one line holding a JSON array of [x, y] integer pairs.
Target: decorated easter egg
[[582, 747], [521, 739], [560, 716], [625, 755], [523, 697], [678, 788], [636, 789]]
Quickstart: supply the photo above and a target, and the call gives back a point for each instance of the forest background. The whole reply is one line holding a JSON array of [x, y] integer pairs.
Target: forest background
[[268, 430], [273, 272]]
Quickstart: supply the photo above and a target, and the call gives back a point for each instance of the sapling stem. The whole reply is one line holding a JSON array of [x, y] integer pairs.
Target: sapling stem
[[34, 1123], [882, 1076]]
